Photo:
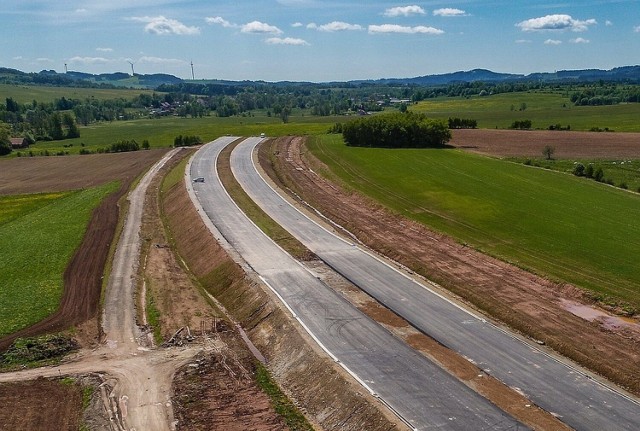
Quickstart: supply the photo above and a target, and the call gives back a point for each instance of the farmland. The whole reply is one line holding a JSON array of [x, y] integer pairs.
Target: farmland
[[37, 242], [542, 108], [554, 224], [43, 94]]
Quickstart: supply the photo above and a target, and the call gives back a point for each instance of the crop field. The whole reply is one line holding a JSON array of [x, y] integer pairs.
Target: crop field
[[543, 109], [38, 235], [552, 223]]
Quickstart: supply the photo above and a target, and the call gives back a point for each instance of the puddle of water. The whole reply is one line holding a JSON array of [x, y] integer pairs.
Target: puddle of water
[[592, 314]]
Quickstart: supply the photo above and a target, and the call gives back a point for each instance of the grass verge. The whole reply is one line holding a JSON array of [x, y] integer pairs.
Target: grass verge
[[281, 403]]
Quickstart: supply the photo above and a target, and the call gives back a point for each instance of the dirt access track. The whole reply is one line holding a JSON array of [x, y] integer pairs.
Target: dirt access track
[[83, 276], [526, 302]]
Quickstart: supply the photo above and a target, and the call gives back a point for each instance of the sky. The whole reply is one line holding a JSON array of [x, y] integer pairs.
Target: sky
[[317, 40]]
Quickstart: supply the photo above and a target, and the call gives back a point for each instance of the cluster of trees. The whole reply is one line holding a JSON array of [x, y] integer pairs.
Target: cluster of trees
[[124, 146], [5, 142], [606, 95], [462, 123], [41, 120], [396, 130], [521, 125], [186, 141]]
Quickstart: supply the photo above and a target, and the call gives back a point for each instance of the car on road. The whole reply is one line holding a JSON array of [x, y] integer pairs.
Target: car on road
[[199, 180]]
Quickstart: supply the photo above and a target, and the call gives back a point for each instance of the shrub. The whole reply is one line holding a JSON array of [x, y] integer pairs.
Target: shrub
[[588, 172], [623, 185], [186, 141], [598, 175], [521, 125], [578, 170], [462, 123]]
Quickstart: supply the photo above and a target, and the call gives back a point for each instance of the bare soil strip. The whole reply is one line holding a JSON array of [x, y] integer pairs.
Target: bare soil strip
[[523, 301]]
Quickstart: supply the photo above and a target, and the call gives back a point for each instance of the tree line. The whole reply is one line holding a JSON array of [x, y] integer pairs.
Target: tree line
[[395, 130]]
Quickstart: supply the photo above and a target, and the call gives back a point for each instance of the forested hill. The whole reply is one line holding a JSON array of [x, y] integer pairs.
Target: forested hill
[[626, 74]]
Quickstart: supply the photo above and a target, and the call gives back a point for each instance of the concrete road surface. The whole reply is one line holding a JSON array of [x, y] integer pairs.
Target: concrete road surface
[[419, 391], [562, 389]]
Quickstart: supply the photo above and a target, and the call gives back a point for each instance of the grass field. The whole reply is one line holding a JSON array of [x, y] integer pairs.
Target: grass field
[[43, 94], [162, 131], [543, 109], [554, 224], [37, 238]]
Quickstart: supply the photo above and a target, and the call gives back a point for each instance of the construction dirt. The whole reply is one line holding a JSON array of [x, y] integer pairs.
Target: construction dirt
[[526, 302]]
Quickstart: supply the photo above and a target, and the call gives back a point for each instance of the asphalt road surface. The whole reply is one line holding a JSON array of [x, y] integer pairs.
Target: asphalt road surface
[[558, 387], [419, 391]]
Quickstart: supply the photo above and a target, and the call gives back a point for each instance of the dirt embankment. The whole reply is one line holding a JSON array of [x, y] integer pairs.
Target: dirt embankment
[[315, 384], [524, 301], [83, 276]]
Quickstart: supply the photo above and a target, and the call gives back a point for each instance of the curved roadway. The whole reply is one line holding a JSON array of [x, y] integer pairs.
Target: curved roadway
[[420, 392], [562, 389]]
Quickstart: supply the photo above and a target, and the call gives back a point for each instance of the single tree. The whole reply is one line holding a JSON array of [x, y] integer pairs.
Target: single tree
[[548, 151]]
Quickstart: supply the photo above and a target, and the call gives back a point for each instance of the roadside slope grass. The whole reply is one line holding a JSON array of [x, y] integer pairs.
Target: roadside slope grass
[[551, 223], [36, 249], [542, 108]]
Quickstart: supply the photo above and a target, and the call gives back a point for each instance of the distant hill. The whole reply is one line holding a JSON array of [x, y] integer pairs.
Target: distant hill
[[629, 74]]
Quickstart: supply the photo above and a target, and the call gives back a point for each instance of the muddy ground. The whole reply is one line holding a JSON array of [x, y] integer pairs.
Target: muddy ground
[[524, 301]]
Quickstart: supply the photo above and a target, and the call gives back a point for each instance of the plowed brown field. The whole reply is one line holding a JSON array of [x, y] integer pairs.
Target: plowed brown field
[[529, 143]]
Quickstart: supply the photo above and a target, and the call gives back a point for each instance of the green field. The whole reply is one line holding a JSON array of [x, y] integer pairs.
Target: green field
[[543, 109], [162, 131], [44, 94], [38, 236], [552, 223]]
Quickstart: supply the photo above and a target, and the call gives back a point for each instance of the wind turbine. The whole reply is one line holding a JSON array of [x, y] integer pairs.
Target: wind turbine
[[193, 76], [133, 73], [65, 68]]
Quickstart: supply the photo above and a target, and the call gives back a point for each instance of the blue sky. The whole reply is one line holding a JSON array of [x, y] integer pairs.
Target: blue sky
[[317, 40]]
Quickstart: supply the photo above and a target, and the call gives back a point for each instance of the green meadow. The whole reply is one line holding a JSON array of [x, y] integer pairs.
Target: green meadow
[[38, 236], [549, 222], [542, 108], [44, 94]]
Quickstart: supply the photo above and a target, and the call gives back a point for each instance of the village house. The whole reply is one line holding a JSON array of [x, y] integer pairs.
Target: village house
[[17, 143]]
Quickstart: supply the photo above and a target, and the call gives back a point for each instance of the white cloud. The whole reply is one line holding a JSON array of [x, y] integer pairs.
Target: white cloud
[[296, 24], [164, 26], [160, 60], [260, 28], [404, 11], [312, 26], [608, 23], [523, 41], [555, 22], [552, 42], [579, 40], [44, 60], [220, 21], [393, 28], [286, 41], [104, 49], [337, 26], [447, 11], [19, 57], [636, 29], [89, 60]]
